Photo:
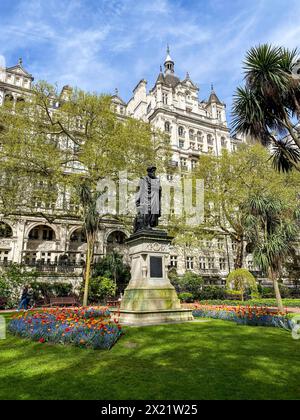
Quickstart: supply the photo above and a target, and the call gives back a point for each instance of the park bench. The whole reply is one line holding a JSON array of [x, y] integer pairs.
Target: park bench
[[63, 301], [113, 302]]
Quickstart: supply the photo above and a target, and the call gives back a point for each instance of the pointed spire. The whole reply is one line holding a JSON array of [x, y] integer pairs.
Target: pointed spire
[[160, 78], [169, 63], [213, 96]]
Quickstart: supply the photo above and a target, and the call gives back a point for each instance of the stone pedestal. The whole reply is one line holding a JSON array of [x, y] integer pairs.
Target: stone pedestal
[[150, 297]]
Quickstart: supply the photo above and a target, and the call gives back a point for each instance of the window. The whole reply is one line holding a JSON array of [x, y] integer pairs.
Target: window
[[210, 139], [189, 263], [193, 163], [210, 263], [192, 145], [34, 234], [181, 131], [209, 244], [199, 137], [47, 234], [234, 245], [220, 243], [167, 127], [222, 264], [165, 98], [202, 264], [191, 134], [181, 144], [223, 142], [183, 162], [174, 261]]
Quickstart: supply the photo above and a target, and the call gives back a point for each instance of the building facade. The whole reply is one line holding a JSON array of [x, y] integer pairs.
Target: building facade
[[57, 247]]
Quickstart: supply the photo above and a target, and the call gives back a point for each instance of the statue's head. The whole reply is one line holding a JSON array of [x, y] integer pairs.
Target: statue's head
[[151, 171]]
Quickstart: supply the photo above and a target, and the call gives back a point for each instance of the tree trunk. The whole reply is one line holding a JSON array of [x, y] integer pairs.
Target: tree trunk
[[239, 255], [89, 258], [273, 277]]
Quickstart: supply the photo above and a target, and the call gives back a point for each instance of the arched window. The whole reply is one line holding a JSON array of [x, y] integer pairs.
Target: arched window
[[8, 98], [167, 127], [42, 233], [191, 134], [5, 230], [223, 141], [117, 238], [181, 131], [199, 137], [210, 139], [78, 236]]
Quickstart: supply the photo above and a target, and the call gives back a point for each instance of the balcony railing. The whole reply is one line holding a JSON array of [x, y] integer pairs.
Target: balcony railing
[[67, 267]]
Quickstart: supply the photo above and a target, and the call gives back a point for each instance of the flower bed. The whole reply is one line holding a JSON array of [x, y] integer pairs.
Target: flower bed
[[90, 328], [245, 315], [287, 303]]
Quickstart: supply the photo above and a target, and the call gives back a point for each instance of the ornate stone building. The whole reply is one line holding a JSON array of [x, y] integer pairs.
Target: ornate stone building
[[195, 126]]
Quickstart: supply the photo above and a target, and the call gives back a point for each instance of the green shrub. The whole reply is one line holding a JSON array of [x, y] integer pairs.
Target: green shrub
[[12, 280], [112, 267], [234, 294], [186, 297], [269, 293], [45, 290], [212, 292], [190, 283], [240, 280], [100, 289]]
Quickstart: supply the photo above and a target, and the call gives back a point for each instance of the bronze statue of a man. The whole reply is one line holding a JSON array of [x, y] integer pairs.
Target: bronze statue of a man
[[148, 201]]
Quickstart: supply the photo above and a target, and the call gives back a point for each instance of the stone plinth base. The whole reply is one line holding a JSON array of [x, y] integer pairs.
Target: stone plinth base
[[150, 298], [155, 317]]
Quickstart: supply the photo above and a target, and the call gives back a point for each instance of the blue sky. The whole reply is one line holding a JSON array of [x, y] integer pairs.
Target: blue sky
[[100, 45]]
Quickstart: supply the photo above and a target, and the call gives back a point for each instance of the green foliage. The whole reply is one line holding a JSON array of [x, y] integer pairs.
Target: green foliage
[[186, 297], [12, 280], [240, 280], [113, 267], [190, 283], [100, 289], [268, 292], [45, 290], [264, 108], [212, 292]]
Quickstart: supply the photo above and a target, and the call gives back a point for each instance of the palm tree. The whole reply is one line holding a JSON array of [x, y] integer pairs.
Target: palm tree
[[271, 229], [115, 265], [266, 107], [88, 202]]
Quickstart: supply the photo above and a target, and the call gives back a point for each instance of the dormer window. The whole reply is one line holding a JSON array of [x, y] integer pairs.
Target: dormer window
[[165, 98], [167, 127]]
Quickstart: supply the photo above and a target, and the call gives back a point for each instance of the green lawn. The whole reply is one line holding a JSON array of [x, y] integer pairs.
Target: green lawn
[[200, 360]]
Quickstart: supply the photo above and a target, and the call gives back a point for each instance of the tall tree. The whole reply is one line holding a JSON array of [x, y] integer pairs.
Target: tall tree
[[57, 146], [229, 181], [268, 107], [272, 229]]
